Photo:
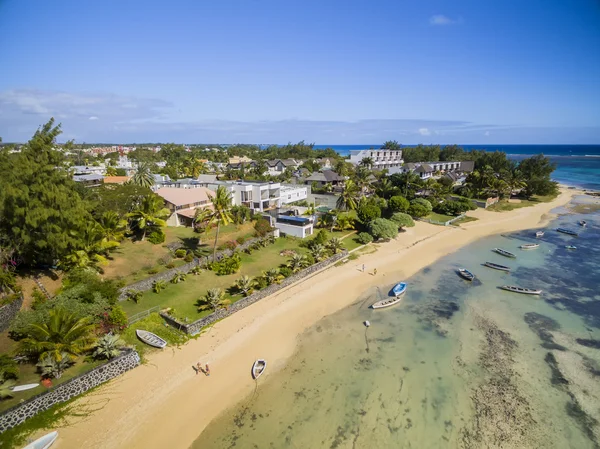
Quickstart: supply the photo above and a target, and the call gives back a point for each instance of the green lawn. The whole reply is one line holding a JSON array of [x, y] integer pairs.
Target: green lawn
[[505, 205], [182, 297], [153, 323], [464, 220], [439, 217]]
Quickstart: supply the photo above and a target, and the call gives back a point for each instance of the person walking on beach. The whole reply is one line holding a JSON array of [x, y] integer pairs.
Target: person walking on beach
[[207, 372], [374, 271], [363, 267], [199, 368]]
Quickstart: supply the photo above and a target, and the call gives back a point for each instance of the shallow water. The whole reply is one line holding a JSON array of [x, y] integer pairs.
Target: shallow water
[[456, 364]]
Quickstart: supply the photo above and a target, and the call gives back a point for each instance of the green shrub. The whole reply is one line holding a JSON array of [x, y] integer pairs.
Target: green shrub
[[286, 271], [240, 240], [262, 227], [180, 253], [368, 212], [398, 204], [118, 318], [170, 265], [382, 229], [156, 237], [38, 298], [402, 220], [420, 207], [230, 244], [261, 283], [188, 257], [364, 238], [152, 271], [228, 265]]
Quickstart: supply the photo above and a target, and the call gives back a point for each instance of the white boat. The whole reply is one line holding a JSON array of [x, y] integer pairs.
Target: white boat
[[525, 291], [496, 266], [150, 339], [466, 274], [367, 323], [529, 246], [570, 247], [44, 442], [398, 290], [258, 368], [23, 387], [504, 253], [539, 234]]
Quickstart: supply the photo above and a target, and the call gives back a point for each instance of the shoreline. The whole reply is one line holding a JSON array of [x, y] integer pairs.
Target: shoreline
[[166, 394]]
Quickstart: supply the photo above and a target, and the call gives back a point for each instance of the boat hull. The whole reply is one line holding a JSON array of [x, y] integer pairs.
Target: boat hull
[[24, 387], [466, 274], [151, 339], [567, 231], [504, 253], [523, 291], [386, 303], [495, 266], [399, 289], [258, 368], [529, 246], [44, 442]]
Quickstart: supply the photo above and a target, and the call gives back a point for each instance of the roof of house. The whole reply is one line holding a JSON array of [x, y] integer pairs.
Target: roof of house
[[82, 178], [207, 178], [189, 213], [467, 166], [116, 179], [325, 176], [181, 197]]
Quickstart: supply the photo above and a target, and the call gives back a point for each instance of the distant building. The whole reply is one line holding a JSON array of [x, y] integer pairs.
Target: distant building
[[89, 180], [116, 179], [278, 166], [426, 170], [293, 193], [182, 203], [325, 177], [88, 169], [381, 158]]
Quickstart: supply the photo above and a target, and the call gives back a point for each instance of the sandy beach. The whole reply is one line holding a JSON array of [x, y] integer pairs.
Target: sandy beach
[[165, 404]]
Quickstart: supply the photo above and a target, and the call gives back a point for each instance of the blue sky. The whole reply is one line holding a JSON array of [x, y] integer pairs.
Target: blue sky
[[329, 72]]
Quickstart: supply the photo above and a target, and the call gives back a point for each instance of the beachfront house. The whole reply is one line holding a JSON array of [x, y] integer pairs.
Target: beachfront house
[[427, 170], [182, 203], [256, 195], [381, 158], [290, 223]]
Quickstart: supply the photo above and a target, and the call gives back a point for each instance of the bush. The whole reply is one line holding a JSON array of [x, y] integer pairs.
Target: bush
[[402, 220], [152, 271], [425, 203], [38, 298], [286, 271], [228, 265], [381, 229], [398, 204], [170, 265], [420, 207], [364, 238], [240, 240], [156, 237], [368, 212], [118, 318], [231, 245], [188, 257], [262, 227], [180, 253], [261, 283]]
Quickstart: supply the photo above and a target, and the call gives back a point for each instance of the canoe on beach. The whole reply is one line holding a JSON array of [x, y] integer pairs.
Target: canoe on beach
[[496, 266], [44, 442], [150, 339], [525, 291], [530, 246], [23, 387], [259, 367], [466, 274], [504, 253]]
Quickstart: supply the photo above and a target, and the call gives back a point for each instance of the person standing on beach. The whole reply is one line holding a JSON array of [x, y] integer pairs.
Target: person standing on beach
[[207, 372], [374, 271], [363, 267]]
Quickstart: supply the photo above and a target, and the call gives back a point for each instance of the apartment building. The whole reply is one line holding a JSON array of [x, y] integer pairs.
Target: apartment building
[[381, 158]]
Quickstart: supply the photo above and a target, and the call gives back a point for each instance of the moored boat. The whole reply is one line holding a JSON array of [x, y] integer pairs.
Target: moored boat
[[525, 291], [567, 231], [150, 339], [504, 253], [44, 442], [496, 266], [583, 223], [466, 274], [258, 368], [539, 234], [530, 246], [399, 288], [570, 247]]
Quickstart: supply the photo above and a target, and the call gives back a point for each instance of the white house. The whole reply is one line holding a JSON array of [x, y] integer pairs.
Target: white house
[[427, 170], [381, 158], [257, 196], [292, 193], [278, 166], [293, 225]]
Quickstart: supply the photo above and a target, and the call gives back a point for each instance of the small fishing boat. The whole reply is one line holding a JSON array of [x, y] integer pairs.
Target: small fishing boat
[[150, 339], [399, 288], [23, 387], [504, 253], [567, 231], [258, 368], [466, 274], [44, 442], [583, 223], [525, 291], [539, 234], [529, 246], [570, 247], [367, 323], [496, 266]]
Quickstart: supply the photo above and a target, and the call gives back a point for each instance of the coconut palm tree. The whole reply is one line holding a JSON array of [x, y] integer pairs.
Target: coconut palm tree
[[109, 347], [158, 286], [272, 276], [111, 171], [61, 335], [318, 252], [347, 199], [178, 277], [52, 366], [385, 189], [245, 285], [113, 226], [344, 221], [202, 219], [94, 249], [213, 300], [341, 168], [143, 176], [334, 245], [221, 202], [297, 262], [150, 213], [367, 162]]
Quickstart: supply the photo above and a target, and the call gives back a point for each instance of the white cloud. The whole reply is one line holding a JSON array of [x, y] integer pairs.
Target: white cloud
[[93, 117], [424, 131], [440, 19]]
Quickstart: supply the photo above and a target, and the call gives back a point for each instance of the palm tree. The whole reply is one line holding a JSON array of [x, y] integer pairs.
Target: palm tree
[[385, 189], [297, 262], [143, 176], [150, 213], [328, 187], [221, 202], [367, 162], [260, 168], [318, 252], [202, 219], [341, 168], [52, 366], [272, 276], [6, 389], [407, 180], [111, 171], [213, 300], [94, 249], [344, 221], [178, 277], [334, 245], [347, 199], [245, 284], [113, 227], [134, 295], [62, 335], [310, 210], [109, 347], [158, 286]]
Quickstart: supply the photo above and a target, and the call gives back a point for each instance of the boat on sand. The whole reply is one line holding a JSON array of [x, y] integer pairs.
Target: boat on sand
[[504, 253], [530, 246], [150, 339], [466, 274], [496, 266], [259, 367], [44, 442], [398, 290], [525, 291]]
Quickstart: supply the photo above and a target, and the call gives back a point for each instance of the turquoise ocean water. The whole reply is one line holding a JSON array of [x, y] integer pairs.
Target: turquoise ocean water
[[577, 165], [454, 365]]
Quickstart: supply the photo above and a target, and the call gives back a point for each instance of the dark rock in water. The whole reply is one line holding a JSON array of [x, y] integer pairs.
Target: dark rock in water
[[585, 421], [542, 325], [557, 376], [590, 343], [445, 309]]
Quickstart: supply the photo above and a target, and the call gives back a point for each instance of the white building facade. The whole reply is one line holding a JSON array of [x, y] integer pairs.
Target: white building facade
[[381, 158], [257, 196], [291, 193]]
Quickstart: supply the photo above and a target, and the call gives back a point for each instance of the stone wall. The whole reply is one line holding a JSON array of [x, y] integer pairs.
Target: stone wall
[[146, 284], [74, 387], [9, 311], [196, 326]]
